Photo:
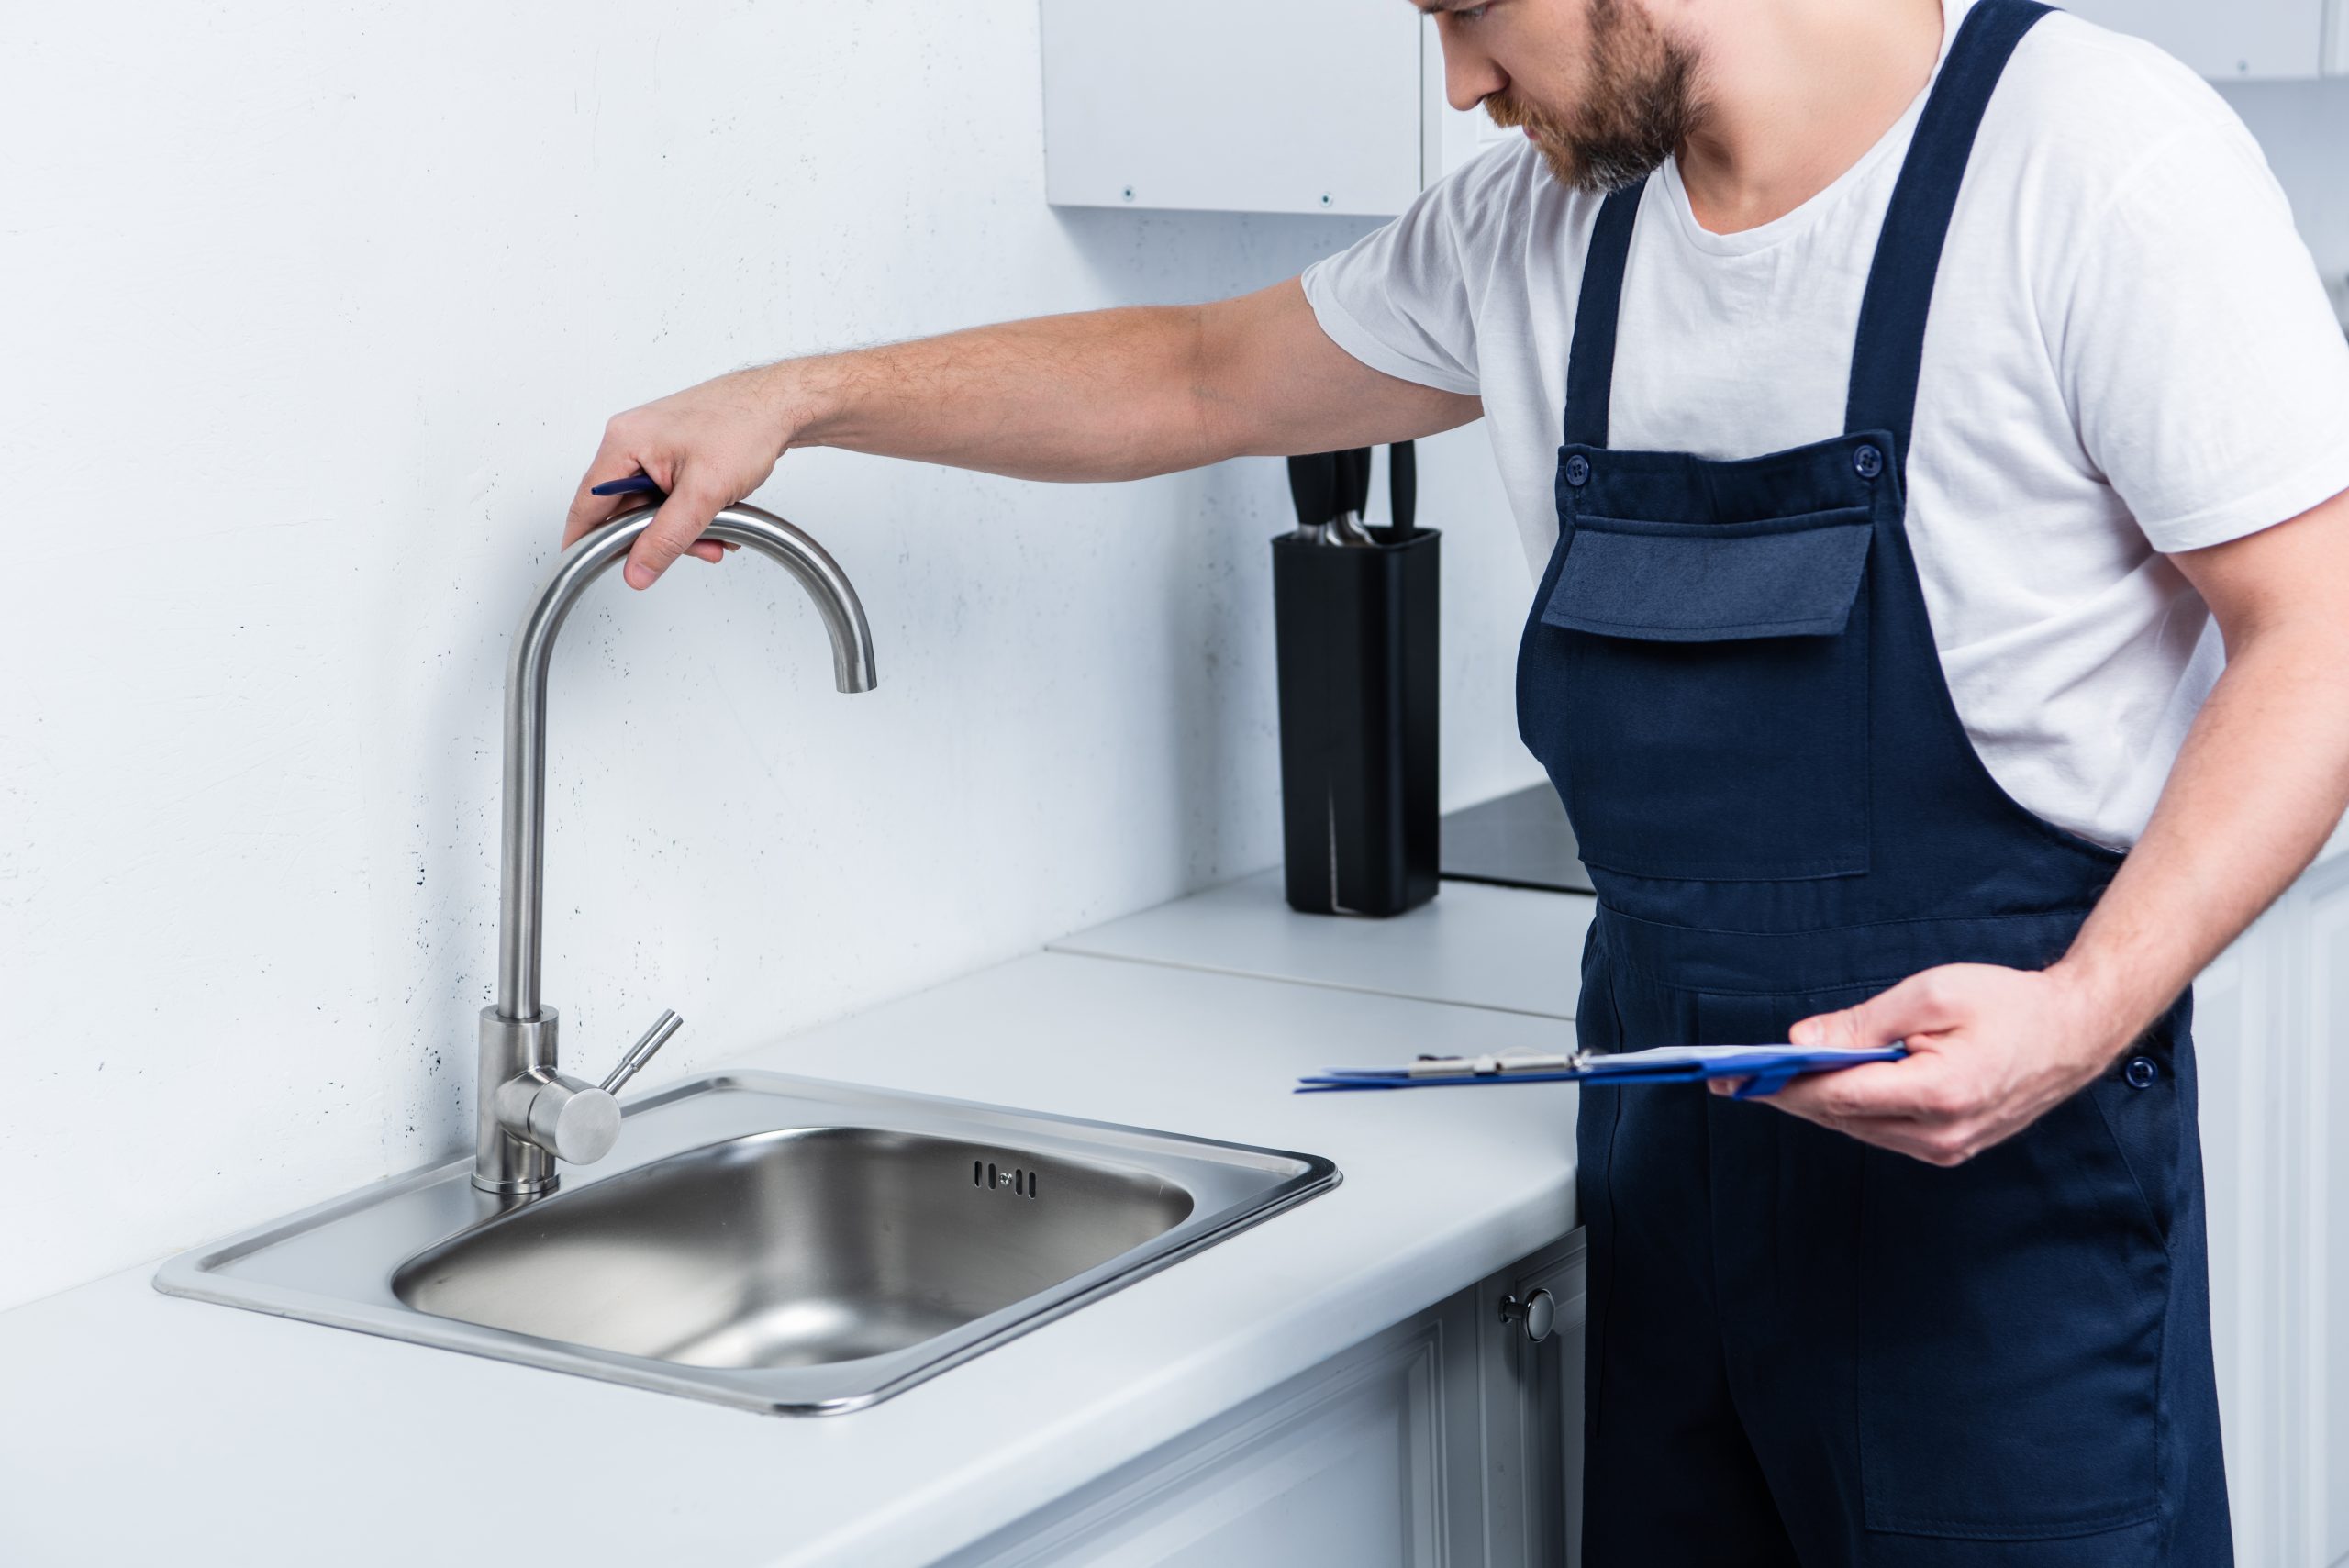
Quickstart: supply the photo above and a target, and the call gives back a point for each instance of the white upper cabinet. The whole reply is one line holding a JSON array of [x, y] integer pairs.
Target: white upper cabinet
[[1235, 106], [1248, 106], [2226, 40]]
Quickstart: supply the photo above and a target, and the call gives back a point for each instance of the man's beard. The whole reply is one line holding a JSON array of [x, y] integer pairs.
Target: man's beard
[[1640, 103]]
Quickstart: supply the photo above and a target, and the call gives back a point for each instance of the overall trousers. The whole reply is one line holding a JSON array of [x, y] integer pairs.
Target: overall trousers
[[1801, 1349]]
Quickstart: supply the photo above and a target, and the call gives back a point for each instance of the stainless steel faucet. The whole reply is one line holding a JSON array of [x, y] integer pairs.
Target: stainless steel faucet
[[530, 1114]]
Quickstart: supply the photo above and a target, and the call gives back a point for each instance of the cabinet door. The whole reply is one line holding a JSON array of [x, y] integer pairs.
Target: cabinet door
[[1370, 1459], [1533, 1400], [2226, 40], [1233, 106]]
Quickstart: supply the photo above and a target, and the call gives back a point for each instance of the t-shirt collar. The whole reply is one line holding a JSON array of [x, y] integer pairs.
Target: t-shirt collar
[[1890, 146]]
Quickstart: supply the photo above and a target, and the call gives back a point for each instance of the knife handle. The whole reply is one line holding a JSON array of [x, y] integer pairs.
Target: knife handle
[[1313, 487], [1354, 483]]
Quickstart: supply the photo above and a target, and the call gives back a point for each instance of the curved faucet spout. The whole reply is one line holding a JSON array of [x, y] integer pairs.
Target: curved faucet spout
[[521, 895], [505, 1161]]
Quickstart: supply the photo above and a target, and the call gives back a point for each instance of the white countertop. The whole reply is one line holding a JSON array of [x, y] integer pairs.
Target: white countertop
[[1476, 945], [138, 1427]]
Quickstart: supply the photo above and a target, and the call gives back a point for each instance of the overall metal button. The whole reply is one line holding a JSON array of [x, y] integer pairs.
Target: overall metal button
[[1578, 470], [2141, 1072], [1868, 463]]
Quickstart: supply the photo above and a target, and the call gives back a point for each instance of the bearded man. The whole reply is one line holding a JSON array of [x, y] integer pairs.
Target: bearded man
[[1932, 438]]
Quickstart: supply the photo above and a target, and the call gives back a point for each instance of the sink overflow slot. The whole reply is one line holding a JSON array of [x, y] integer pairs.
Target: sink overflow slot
[[984, 1173]]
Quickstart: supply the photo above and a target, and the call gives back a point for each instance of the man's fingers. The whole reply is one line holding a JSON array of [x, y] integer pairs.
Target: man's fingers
[[1916, 1089], [587, 514], [590, 511], [707, 550], [1877, 1117], [1893, 1108], [1921, 1088], [675, 530]]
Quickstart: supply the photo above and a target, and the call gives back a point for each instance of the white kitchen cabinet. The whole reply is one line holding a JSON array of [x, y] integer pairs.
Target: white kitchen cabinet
[[2226, 41], [1449, 1440], [2272, 1021], [1307, 106], [1236, 106]]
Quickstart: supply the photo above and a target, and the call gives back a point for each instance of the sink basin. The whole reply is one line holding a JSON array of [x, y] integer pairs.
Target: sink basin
[[797, 1248], [775, 1243]]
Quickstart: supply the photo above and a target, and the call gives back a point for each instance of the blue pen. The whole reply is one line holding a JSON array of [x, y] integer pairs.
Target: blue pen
[[634, 484]]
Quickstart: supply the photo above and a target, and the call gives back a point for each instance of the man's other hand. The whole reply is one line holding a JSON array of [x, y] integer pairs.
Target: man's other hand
[[1990, 1051]]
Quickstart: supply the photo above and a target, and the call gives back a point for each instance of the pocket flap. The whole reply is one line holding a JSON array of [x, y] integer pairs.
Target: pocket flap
[[1699, 583]]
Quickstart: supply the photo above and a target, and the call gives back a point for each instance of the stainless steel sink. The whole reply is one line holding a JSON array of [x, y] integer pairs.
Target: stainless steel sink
[[775, 1243]]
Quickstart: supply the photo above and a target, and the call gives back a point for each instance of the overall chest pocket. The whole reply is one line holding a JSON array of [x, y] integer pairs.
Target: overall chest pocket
[[1700, 694]]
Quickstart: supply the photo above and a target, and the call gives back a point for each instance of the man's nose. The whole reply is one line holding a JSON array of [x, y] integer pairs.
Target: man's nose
[[1469, 76]]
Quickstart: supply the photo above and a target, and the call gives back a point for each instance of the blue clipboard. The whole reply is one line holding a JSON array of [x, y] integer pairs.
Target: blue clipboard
[[1766, 1069]]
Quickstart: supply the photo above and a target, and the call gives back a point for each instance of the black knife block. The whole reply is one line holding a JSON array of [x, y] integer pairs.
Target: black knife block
[[1355, 632]]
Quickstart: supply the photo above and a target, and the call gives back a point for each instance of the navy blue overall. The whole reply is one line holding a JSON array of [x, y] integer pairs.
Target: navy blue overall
[[1803, 1350]]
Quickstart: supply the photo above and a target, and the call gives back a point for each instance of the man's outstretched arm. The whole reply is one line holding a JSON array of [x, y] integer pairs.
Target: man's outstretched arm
[[1103, 395]]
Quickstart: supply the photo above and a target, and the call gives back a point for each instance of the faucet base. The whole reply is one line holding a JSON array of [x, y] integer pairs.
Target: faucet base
[[517, 1189], [511, 1049]]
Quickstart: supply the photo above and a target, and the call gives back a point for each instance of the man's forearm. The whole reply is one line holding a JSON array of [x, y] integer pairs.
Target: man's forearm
[[1102, 394], [2260, 785], [2262, 780]]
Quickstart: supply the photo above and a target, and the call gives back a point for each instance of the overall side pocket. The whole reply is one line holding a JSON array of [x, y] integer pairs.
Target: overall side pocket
[[2011, 1316]]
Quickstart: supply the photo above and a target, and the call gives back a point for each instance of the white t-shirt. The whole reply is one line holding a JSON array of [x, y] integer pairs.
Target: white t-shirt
[[2130, 353]]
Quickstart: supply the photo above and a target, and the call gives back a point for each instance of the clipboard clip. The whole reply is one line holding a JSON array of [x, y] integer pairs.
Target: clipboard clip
[[1425, 1066]]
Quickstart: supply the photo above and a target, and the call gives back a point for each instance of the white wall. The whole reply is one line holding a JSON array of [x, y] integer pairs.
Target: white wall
[[314, 313], [2303, 127]]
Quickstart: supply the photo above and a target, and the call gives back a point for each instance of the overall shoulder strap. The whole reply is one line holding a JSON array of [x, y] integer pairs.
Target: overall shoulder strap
[[1890, 345], [1590, 363]]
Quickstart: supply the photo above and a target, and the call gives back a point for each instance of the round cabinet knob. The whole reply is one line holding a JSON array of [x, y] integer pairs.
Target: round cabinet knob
[[574, 1121], [1538, 1312]]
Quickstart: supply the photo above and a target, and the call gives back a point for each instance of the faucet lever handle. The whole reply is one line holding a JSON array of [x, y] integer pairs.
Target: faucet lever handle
[[667, 1024]]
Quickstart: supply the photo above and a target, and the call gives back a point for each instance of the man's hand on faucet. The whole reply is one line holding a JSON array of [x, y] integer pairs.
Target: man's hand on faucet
[[708, 447]]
